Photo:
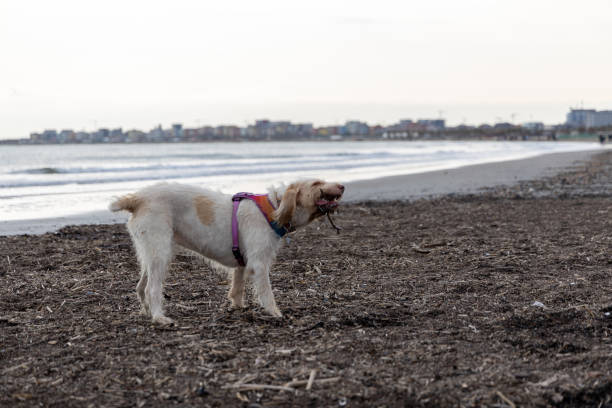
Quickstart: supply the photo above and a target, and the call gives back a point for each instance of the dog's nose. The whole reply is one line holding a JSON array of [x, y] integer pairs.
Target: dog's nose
[[340, 187]]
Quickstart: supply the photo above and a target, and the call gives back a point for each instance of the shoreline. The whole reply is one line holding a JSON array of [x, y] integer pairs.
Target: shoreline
[[469, 179], [510, 137], [462, 180]]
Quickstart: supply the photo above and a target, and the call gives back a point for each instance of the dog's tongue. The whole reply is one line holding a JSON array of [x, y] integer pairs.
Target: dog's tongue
[[326, 205]]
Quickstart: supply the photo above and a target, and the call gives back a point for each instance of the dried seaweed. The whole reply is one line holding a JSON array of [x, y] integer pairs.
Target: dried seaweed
[[429, 303]]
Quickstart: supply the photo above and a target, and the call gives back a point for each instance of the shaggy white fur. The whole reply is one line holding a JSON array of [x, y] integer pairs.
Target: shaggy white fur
[[168, 214]]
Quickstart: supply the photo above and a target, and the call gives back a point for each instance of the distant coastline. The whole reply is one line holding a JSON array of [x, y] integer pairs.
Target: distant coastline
[[509, 136], [581, 124], [425, 136]]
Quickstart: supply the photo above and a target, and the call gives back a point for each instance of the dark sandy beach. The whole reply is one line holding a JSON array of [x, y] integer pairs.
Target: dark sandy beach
[[499, 297]]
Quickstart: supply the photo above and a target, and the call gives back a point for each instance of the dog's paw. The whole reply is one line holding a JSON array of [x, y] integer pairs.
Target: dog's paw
[[163, 321], [275, 313], [237, 305]]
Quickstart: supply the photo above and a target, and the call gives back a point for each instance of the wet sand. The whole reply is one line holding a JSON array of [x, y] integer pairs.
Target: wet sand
[[464, 180]]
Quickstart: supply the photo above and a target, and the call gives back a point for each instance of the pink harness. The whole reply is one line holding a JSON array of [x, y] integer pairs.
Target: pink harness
[[266, 207]]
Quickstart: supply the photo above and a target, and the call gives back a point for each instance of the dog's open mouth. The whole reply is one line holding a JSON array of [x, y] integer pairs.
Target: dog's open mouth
[[327, 203], [326, 206]]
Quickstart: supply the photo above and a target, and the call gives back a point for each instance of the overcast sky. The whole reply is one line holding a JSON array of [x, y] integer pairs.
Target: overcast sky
[[134, 64]]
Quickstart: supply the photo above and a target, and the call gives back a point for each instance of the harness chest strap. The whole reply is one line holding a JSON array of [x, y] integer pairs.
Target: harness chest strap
[[266, 207]]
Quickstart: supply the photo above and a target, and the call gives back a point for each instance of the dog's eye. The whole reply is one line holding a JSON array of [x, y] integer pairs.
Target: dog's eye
[[317, 183]]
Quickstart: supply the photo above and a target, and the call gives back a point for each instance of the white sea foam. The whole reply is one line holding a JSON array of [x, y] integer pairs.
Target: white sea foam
[[60, 180]]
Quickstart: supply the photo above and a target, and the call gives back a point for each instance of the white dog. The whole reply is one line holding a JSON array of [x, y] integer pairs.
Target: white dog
[[242, 233]]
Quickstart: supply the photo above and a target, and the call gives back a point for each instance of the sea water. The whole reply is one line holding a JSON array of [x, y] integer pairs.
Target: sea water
[[42, 181]]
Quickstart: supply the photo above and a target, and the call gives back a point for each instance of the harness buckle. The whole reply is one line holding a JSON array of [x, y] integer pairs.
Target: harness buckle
[[238, 256], [240, 196]]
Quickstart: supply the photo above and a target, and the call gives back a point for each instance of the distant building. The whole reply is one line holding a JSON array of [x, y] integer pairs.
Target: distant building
[[156, 134], [279, 129], [135, 136], [603, 119], [66, 136], [206, 133], [300, 129], [432, 124], [503, 126], [261, 129], [534, 126], [35, 137], [227, 132], [580, 117], [102, 135], [588, 118], [266, 129], [231, 131], [49, 136], [189, 135], [83, 137], [332, 130], [177, 131], [376, 131], [356, 128], [116, 136]]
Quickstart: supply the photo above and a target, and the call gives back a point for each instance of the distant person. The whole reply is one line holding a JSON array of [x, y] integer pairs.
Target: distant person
[[610, 138], [602, 139]]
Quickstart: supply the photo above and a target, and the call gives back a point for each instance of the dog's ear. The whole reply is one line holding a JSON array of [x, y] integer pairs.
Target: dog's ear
[[286, 209]]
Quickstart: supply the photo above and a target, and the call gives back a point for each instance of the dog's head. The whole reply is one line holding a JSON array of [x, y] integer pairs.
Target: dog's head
[[305, 201]]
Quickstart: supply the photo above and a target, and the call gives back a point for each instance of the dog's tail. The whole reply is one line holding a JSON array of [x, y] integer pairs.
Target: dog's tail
[[129, 202]]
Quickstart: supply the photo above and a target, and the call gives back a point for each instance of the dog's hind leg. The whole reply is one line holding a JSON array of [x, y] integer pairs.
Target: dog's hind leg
[[261, 280], [140, 291], [153, 240], [236, 292], [142, 283], [156, 274]]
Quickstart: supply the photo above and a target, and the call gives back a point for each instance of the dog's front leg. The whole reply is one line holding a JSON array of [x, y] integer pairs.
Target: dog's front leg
[[236, 292], [261, 280]]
